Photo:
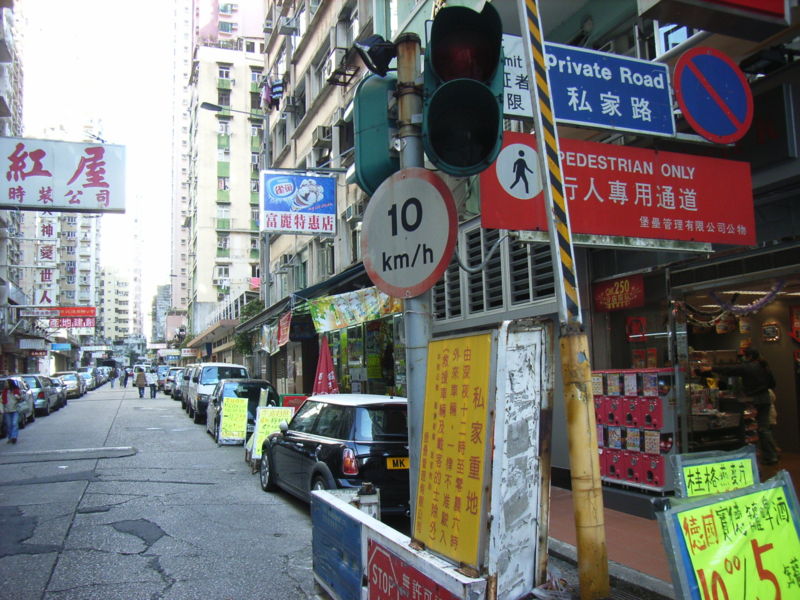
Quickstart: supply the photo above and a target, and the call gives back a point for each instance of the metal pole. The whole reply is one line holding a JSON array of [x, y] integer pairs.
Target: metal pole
[[417, 310], [587, 495]]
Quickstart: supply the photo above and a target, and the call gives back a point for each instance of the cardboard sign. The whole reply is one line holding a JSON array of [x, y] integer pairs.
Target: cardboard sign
[[268, 419], [623, 191], [715, 472], [742, 544], [233, 422]]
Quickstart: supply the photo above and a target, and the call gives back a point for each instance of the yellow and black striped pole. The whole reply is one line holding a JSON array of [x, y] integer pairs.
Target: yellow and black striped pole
[[587, 494]]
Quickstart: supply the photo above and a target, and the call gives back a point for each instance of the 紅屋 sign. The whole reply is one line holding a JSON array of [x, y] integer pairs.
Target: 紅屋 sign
[[298, 203], [62, 176], [594, 89]]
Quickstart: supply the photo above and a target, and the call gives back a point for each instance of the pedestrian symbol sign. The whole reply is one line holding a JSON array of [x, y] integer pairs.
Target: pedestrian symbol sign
[[518, 173]]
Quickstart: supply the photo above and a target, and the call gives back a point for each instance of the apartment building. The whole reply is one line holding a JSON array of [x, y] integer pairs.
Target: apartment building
[[158, 314], [113, 307], [224, 149]]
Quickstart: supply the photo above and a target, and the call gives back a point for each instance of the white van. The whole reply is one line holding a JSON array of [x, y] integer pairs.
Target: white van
[[204, 379], [186, 383]]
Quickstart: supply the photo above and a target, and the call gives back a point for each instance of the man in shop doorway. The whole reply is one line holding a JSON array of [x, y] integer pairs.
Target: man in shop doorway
[[757, 381]]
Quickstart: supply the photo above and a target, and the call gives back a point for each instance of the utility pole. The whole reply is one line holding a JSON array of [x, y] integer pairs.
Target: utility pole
[[587, 494]]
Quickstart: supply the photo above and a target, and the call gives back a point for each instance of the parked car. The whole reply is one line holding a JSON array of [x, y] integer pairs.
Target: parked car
[[186, 381], [45, 394], [341, 441], [61, 386], [239, 388], [76, 385], [93, 375], [161, 372], [25, 406], [88, 378], [172, 382], [204, 379]]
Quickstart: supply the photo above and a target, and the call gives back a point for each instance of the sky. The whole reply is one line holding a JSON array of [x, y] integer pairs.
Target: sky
[[108, 63]]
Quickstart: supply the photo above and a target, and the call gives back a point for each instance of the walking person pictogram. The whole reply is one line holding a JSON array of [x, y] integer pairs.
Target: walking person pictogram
[[520, 166]]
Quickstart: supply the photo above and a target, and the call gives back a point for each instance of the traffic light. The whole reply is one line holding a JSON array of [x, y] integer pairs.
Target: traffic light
[[462, 126]]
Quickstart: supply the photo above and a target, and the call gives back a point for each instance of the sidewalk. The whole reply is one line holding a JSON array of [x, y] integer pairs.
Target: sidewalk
[[638, 564]]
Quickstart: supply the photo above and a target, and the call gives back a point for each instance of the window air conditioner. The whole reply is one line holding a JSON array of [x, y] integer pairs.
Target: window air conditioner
[[321, 137], [354, 212], [287, 26]]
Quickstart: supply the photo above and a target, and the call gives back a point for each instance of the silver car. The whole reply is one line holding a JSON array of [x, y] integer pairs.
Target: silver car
[[45, 394], [27, 413]]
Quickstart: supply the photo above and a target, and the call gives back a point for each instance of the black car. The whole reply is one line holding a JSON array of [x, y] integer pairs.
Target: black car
[[341, 441], [239, 388]]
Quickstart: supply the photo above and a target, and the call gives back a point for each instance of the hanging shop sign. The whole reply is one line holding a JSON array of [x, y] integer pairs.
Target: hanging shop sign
[[188, 353], [624, 191], [284, 326], [50, 175], [38, 353], [618, 294], [591, 88], [715, 472], [71, 322], [794, 322], [298, 203], [61, 347], [454, 458], [737, 544], [32, 344], [330, 313]]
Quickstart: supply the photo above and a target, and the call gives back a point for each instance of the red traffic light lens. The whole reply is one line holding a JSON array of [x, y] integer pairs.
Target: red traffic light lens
[[465, 54]]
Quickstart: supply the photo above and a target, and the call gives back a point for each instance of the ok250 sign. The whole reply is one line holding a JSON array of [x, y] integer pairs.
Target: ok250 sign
[[409, 232]]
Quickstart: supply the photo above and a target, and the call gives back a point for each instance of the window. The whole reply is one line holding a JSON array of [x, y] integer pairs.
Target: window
[[250, 47], [223, 211], [254, 158], [331, 421], [227, 27], [223, 183], [255, 75], [70, 249], [224, 71], [255, 130], [254, 242], [381, 423], [254, 185], [255, 101], [71, 279], [254, 213], [223, 155], [305, 418], [224, 97], [224, 127], [223, 242], [221, 271]]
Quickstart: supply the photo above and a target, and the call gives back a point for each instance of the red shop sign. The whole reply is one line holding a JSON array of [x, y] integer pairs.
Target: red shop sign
[[75, 311], [625, 191], [617, 294], [284, 325], [392, 578]]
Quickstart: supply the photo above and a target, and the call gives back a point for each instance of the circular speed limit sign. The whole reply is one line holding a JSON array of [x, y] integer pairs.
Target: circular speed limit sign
[[409, 232]]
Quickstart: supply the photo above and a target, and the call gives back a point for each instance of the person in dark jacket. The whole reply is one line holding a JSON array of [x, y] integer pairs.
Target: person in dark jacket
[[757, 380]]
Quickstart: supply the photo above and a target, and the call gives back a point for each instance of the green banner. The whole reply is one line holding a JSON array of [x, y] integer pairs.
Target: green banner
[[343, 310]]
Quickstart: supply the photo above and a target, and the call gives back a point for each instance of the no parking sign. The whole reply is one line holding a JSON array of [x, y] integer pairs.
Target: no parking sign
[[713, 95]]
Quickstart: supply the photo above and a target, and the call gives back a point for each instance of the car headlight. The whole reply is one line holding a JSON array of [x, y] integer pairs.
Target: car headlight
[[203, 398]]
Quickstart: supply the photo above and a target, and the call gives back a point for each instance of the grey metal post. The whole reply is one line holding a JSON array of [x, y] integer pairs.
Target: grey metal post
[[417, 310]]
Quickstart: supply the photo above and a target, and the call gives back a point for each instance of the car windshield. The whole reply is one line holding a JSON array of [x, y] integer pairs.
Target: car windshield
[[381, 423], [31, 381], [163, 370], [69, 377], [214, 374]]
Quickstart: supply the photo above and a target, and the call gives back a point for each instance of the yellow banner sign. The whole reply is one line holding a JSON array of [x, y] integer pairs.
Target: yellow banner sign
[[267, 420], [743, 547], [233, 423], [453, 457], [718, 477]]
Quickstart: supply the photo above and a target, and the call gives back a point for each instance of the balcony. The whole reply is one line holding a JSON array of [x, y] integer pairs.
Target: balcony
[[223, 252], [223, 169], [224, 196], [224, 84], [223, 224]]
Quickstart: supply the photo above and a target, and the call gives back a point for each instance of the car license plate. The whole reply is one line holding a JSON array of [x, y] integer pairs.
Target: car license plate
[[399, 462]]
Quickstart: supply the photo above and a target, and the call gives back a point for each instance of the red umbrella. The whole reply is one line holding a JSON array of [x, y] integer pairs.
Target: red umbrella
[[325, 379]]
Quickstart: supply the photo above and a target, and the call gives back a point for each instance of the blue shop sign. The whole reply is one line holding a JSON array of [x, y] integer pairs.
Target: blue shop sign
[[298, 203], [60, 346]]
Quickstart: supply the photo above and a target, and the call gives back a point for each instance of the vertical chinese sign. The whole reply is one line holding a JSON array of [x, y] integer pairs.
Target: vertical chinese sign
[[62, 176], [47, 275], [454, 457]]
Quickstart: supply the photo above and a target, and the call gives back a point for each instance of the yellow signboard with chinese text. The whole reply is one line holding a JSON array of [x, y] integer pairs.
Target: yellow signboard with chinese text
[[716, 478], [233, 423], [743, 545], [454, 460], [268, 420]]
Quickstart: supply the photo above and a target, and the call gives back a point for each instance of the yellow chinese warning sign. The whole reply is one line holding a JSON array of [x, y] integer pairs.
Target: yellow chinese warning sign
[[233, 424], [453, 456]]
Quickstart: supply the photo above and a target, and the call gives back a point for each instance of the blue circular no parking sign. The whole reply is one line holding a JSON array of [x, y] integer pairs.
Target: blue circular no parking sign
[[713, 95]]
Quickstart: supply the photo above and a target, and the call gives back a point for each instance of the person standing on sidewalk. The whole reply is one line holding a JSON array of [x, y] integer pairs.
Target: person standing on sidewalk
[[10, 400], [152, 381], [140, 380], [113, 377]]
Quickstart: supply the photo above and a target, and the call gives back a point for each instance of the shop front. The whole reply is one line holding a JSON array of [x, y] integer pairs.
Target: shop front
[[656, 335]]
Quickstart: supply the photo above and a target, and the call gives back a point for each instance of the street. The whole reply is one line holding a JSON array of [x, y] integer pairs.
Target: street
[[117, 497]]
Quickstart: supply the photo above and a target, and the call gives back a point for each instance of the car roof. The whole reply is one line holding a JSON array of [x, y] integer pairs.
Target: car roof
[[245, 380], [65, 373], [358, 399], [220, 364]]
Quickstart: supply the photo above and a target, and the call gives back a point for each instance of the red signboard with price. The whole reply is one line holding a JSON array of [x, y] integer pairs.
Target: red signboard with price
[[625, 292], [392, 578]]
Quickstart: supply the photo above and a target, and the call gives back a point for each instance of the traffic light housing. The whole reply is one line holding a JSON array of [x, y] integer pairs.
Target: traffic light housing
[[462, 124]]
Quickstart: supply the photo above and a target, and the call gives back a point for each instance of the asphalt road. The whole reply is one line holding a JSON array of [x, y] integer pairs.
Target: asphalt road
[[116, 497]]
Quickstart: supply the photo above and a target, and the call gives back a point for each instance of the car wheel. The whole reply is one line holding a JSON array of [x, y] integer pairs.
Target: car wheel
[[266, 473], [319, 483], [198, 418], [216, 432], [47, 410]]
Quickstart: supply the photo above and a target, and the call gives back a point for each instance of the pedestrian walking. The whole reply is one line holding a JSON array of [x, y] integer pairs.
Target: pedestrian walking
[[140, 380], [10, 400], [152, 381], [113, 377], [127, 375]]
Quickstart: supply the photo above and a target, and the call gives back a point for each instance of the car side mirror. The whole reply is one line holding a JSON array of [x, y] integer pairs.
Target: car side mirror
[[283, 426]]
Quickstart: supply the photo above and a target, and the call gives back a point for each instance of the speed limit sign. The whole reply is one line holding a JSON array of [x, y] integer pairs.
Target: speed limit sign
[[409, 232]]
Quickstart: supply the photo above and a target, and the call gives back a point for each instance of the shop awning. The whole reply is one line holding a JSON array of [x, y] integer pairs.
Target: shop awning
[[351, 278], [213, 334]]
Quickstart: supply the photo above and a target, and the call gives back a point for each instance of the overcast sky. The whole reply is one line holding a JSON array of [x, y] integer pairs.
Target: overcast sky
[[108, 63]]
